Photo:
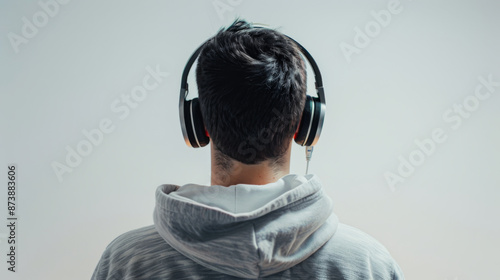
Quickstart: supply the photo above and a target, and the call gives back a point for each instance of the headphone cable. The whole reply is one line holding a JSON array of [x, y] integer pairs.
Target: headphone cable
[[309, 152]]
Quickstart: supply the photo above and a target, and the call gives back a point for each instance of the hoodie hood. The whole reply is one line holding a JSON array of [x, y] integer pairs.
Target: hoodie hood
[[216, 227]]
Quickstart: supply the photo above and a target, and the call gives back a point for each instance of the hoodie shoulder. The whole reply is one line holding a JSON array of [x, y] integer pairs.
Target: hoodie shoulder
[[123, 252], [143, 254], [352, 254]]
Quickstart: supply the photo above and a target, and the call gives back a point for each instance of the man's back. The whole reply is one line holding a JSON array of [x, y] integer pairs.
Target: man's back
[[290, 232]]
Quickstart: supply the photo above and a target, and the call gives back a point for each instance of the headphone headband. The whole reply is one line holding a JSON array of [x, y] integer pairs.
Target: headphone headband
[[317, 74]]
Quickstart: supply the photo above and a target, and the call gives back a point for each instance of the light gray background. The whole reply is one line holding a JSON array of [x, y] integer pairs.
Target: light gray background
[[440, 223]]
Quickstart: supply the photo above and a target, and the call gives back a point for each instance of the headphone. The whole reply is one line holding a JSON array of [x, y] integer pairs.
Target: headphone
[[309, 130]]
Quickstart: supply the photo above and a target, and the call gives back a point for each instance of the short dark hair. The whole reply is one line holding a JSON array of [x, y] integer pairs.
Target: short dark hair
[[252, 88]]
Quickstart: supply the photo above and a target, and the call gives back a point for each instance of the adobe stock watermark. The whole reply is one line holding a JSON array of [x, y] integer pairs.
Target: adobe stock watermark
[[454, 117], [373, 28], [121, 107], [30, 27], [222, 7], [252, 145]]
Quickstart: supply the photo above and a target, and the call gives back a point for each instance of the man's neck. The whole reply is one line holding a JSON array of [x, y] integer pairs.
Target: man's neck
[[253, 174]]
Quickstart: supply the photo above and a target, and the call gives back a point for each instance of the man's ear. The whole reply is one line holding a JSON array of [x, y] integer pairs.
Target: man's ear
[[300, 121], [298, 126]]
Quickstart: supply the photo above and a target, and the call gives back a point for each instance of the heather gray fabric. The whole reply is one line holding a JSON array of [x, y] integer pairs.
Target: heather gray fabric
[[292, 234]]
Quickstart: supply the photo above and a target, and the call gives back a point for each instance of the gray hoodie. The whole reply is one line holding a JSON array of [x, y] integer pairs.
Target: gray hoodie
[[283, 230]]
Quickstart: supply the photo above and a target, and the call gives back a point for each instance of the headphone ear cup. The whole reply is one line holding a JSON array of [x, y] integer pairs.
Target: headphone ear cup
[[195, 128], [311, 122], [305, 121]]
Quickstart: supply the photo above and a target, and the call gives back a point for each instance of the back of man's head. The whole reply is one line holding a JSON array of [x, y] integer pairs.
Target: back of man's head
[[252, 88]]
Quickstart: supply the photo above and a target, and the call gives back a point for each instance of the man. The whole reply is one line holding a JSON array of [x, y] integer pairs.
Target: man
[[255, 221]]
